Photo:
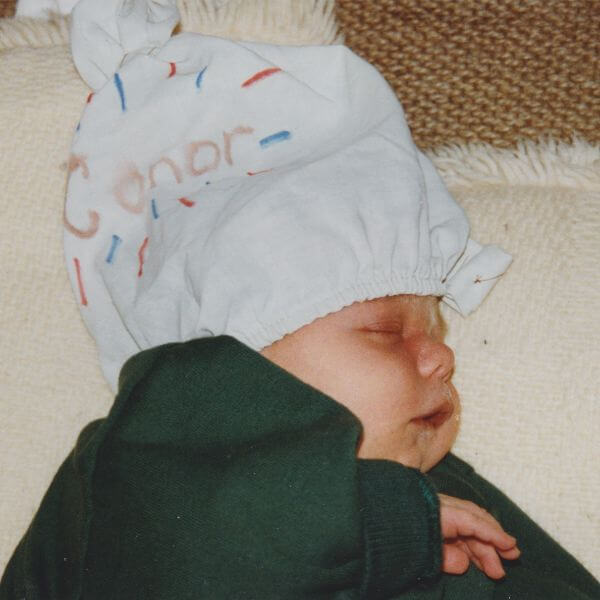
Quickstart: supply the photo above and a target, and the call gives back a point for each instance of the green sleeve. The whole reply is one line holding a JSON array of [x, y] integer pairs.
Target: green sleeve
[[217, 474], [401, 528], [545, 570]]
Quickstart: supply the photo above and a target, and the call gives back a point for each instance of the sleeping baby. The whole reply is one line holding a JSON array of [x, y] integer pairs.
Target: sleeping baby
[[260, 251]]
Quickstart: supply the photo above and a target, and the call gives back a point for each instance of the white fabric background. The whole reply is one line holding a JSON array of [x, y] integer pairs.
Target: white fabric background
[[527, 360]]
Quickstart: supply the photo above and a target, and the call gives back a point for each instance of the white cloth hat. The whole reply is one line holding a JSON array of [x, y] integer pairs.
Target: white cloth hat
[[246, 189]]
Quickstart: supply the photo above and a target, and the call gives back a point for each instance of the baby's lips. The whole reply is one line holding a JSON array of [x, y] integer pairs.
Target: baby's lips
[[437, 416]]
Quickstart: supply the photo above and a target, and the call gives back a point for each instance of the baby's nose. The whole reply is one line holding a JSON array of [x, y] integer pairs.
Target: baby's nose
[[434, 359]]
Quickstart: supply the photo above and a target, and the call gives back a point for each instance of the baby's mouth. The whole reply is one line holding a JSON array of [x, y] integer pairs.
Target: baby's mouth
[[436, 417]]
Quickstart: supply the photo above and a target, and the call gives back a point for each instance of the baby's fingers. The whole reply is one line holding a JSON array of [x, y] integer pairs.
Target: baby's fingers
[[460, 518], [486, 558], [455, 560], [464, 524], [471, 534], [457, 554], [483, 530], [511, 554]]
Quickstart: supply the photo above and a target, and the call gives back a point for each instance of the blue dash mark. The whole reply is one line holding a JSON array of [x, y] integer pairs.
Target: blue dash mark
[[116, 241], [280, 136], [199, 78], [154, 211], [78, 127], [119, 85]]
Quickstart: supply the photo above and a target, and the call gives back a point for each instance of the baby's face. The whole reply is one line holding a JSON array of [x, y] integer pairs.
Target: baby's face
[[385, 360]]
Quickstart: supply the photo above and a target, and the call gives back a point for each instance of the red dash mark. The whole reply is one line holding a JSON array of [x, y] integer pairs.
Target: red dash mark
[[141, 256], [258, 172], [89, 98], [173, 70], [260, 75], [186, 202], [80, 282]]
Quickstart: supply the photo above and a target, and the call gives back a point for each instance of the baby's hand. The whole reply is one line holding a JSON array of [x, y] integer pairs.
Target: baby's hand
[[471, 533]]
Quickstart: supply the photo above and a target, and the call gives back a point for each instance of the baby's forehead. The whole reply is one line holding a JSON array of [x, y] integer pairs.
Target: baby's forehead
[[400, 303], [400, 306]]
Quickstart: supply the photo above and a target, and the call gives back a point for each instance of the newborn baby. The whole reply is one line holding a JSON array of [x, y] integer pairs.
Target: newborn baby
[[259, 249], [385, 359]]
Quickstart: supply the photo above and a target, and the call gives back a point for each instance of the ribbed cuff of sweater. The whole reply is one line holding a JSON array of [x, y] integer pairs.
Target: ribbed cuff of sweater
[[401, 527]]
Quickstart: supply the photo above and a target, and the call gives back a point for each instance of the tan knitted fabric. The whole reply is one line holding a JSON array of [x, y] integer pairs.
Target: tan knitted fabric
[[7, 8], [484, 70]]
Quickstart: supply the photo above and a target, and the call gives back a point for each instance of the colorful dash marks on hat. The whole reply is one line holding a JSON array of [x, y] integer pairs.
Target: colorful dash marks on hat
[[77, 162]]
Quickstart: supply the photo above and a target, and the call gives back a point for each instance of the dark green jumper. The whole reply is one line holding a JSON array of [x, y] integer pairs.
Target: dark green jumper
[[219, 475]]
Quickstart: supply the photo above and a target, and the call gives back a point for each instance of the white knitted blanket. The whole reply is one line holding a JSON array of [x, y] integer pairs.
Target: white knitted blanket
[[526, 360]]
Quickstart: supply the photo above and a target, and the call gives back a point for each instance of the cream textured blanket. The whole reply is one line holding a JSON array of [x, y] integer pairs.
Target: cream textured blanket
[[526, 360]]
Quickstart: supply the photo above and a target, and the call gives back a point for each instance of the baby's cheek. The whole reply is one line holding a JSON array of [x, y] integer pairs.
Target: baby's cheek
[[454, 423]]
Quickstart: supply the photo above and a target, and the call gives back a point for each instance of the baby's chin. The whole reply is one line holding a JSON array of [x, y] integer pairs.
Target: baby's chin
[[432, 458], [420, 446]]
